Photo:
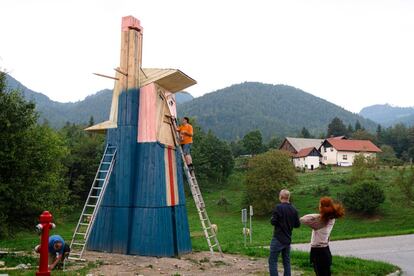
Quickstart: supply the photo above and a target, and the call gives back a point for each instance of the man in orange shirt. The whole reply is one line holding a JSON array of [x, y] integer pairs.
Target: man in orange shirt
[[186, 134]]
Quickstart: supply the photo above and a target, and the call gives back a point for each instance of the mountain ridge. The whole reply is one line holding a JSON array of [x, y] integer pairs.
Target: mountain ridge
[[230, 112], [57, 113], [276, 110], [388, 115]]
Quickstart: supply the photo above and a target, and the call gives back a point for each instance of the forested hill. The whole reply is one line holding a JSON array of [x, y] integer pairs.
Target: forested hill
[[57, 113], [278, 110], [388, 115], [80, 112], [230, 112]]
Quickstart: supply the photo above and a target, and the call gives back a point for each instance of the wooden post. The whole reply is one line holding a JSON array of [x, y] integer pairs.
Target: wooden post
[[131, 52], [127, 74]]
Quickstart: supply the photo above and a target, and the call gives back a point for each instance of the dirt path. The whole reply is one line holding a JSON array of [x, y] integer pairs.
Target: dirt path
[[200, 263]]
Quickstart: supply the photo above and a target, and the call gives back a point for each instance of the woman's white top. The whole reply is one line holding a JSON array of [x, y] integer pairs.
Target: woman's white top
[[320, 231]]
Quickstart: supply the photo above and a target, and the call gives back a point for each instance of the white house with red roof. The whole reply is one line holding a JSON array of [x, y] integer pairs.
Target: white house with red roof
[[308, 158], [342, 152], [294, 145], [304, 151]]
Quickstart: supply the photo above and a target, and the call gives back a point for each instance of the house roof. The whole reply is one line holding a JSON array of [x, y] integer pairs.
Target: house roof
[[353, 145], [101, 127], [305, 152], [303, 143], [338, 137], [172, 80]]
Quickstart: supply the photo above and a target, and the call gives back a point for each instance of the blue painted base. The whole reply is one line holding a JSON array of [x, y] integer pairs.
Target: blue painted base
[[154, 231]]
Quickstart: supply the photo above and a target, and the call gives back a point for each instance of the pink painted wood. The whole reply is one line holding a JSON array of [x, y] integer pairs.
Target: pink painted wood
[[130, 22], [147, 130]]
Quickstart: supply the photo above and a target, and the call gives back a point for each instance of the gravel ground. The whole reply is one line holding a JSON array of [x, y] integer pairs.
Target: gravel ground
[[199, 263]]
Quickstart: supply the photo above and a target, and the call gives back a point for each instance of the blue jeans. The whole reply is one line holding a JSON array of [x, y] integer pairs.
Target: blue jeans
[[275, 248], [186, 148]]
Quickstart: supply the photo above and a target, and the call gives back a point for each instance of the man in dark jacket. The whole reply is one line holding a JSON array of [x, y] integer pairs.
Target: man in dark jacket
[[284, 217]]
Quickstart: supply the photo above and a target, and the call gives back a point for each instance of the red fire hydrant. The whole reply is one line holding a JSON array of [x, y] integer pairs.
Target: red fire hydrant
[[44, 226]]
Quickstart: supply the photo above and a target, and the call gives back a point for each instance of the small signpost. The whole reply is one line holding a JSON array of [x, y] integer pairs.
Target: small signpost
[[251, 229], [244, 221]]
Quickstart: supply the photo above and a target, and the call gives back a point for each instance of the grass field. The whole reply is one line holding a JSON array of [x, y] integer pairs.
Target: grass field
[[394, 217]]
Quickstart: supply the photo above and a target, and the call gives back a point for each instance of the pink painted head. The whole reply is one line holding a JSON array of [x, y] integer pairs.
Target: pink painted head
[[130, 22]]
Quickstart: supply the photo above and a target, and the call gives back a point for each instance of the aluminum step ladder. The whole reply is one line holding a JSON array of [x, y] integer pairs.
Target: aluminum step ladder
[[92, 204], [209, 232]]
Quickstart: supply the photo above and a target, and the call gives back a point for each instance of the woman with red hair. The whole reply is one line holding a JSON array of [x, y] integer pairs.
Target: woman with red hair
[[322, 225]]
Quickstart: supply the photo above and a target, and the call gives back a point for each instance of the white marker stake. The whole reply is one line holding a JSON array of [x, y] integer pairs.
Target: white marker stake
[[244, 221], [251, 228]]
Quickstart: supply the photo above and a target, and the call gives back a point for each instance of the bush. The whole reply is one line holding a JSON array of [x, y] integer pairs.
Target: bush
[[387, 156], [322, 190], [364, 197], [326, 167], [335, 181], [405, 181], [362, 168], [241, 162], [267, 174], [223, 202]]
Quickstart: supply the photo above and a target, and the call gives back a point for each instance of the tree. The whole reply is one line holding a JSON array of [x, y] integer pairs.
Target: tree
[[305, 133], [398, 138], [378, 135], [336, 128], [212, 157], [387, 156], [252, 142], [405, 181], [361, 134], [237, 148], [30, 168], [350, 130], [85, 152], [274, 143], [267, 174], [410, 143], [91, 121], [358, 125]]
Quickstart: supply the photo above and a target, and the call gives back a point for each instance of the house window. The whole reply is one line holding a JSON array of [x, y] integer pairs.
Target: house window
[[331, 149], [324, 149], [344, 157], [325, 158]]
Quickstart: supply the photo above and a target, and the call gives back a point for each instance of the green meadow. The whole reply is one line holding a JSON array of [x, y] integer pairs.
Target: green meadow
[[394, 217]]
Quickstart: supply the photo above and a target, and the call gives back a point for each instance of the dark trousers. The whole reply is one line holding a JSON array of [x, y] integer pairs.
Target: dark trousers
[[321, 259], [275, 249]]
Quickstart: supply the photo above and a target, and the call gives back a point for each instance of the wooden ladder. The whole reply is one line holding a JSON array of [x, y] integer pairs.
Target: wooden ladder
[[209, 232]]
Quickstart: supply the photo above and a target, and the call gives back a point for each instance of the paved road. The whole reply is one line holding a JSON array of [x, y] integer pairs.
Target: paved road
[[398, 250]]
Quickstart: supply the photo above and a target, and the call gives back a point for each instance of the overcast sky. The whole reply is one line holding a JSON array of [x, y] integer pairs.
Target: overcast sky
[[352, 53]]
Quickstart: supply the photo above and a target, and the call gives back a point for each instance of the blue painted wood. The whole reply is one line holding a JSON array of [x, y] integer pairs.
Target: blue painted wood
[[180, 178], [103, 231], [134, 217], [150, 176], [182, 230]]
